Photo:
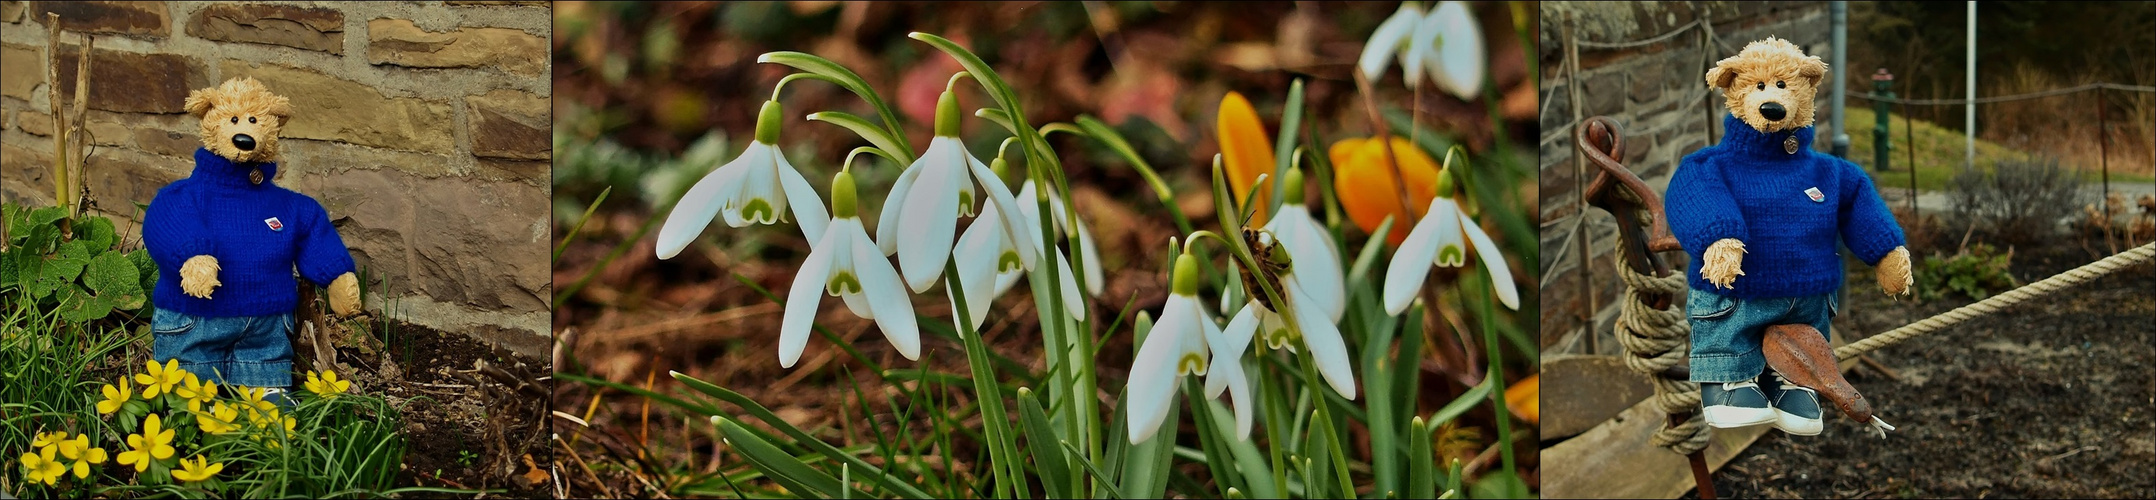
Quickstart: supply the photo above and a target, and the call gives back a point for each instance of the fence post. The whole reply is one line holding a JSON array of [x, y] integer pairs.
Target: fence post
[[1882, 140]]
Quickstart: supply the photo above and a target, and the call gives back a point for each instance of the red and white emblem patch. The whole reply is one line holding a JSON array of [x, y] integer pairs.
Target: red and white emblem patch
[[1815, 194], [274, 224]]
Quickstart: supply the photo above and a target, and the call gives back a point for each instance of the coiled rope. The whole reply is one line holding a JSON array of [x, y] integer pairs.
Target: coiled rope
[[1656, 340]]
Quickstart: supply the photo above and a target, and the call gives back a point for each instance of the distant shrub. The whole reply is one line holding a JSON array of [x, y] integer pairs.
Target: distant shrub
[[2020, 201]]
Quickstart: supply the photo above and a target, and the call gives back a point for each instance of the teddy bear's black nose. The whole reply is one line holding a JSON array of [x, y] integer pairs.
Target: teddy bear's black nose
[[246, 143], [1773, 111]]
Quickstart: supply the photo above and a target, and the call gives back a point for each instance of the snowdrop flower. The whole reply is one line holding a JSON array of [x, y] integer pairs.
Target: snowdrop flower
[[843, 262], [1319, 270], [987, 250], [921, 215], [1313, 328], [1437, 240], [1446, 43], [1081, 234], [1185, 342], [760, 187]]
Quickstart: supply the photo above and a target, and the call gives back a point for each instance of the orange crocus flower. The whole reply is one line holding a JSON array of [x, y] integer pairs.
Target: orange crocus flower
[[1524, 398], [1247, 152], [1363, 178]]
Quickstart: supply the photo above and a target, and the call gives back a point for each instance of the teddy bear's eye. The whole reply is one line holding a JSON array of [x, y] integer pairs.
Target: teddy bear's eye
[[251, 119], [1777, 84], [1762, 85], [235, 119]]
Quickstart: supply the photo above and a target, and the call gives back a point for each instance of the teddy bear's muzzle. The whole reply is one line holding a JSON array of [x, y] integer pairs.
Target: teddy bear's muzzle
[[1772, 111], [247, 143]]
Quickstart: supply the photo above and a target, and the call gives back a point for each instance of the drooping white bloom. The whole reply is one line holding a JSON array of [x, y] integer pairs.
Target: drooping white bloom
[[920, 218], [1184, 342], [1314, 328], [1446, 43], [989, 263], [844, 263], [1437, 239], [760, 186], [1317, 264], [1082, 235]]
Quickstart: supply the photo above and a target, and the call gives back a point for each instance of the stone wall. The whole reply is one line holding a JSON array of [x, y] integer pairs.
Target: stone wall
[[1658, 96], [422, 127]]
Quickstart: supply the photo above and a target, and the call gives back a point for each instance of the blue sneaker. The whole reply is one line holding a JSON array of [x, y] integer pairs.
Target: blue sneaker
[[1735, 404], [1796, 407]]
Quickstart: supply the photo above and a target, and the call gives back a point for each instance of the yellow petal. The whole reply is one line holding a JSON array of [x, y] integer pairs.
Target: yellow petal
[[1247, 152], [1524, 398], [1363, 179]]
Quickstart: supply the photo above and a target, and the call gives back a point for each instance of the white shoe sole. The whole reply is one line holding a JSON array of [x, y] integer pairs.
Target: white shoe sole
[[1796, 425], [1730, 417]]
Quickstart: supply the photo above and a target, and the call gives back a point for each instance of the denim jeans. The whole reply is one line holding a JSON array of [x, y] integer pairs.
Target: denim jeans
[[1727, 331], [248, 351]]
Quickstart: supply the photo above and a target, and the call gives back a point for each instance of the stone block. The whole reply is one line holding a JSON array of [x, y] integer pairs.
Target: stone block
[[307, 28], [1603, 93], [400, 42], [511, 124], [474, 243], [167, 142], [11, 12], [330, 108], [144, 19], [22, 69], [34, 123], [131, 82]]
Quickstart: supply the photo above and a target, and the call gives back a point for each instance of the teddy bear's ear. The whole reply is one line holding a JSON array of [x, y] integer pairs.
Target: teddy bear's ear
[[280, 107], [1813, 70], [200, 101], [1722, 75]]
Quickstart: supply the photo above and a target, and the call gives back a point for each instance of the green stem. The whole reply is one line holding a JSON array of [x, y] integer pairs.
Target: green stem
[[995, 419], [1497, 380]]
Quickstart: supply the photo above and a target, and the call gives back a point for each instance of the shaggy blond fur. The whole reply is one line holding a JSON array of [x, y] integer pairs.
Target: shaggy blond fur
[[1771, 70], [1894, 274], [240, 106], [1723, 262]]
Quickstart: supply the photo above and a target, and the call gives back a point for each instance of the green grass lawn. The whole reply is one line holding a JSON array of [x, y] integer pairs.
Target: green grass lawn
[[1939, 153]]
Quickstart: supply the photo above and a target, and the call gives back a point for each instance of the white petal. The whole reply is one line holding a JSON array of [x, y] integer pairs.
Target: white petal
[[696, 208], [976, 257], [1153, 374], [894, 312], [801, 300], [1093, 276], [1323, 340], [1451, 248], [1014, 222], [807, 207], [858, 303], [887, 220], [1384, 42], [1224, 353], [1240, 330], [1494, 261], [1421, 50], [928, 220], [752, 157], [1317, 262], [1239, 389], [1073, 301], [1458, 64], [762, 183], [1410, 264]]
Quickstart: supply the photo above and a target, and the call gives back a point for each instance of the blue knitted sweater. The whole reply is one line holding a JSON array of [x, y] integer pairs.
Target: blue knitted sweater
[[257, 233], [1788, 209]]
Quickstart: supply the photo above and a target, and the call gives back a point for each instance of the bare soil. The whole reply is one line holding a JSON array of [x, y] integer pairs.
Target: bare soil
[[2055, 398], [463, 428]]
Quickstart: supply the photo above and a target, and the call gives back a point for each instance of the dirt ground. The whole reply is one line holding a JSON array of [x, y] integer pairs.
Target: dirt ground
[[463, 428], [2052, 399]]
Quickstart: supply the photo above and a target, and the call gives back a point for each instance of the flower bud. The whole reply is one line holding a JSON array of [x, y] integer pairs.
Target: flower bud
[[1186, 276], [947, 115], [843, 201], [767, 123], [1293, 185]]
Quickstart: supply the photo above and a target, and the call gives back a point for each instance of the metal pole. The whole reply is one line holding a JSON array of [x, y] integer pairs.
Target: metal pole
[[1840, 10], [2103, 153], [1968, 120]]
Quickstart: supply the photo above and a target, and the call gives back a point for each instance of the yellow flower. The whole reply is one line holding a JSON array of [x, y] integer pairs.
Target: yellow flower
[[1524, 399], [199, 470], [157, 380], [82, 453], [326, 384], [1247, 152], [42, 468], [1363, 180], [116, 395], [197, 392], [155, 442], [252, 396], [44, 439], [219, 420]]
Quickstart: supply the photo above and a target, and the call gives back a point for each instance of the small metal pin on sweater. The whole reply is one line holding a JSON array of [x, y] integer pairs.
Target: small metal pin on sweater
[[1789, 145], [255, 176]]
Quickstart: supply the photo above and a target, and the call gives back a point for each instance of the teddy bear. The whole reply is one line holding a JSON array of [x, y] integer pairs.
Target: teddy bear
[[1761, 214], [233, 238]]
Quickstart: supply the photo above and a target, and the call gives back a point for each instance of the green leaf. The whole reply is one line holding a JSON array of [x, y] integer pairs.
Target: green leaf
[[761, 413], [146, 269], [1291, 124], [116, 279], [788, 471], [1421, 457], [1465, 402], [1048, 459], [834, 73], [96, 230], [881, 138], [1105, 481], [78, 305], [46, 215], [61, 269]]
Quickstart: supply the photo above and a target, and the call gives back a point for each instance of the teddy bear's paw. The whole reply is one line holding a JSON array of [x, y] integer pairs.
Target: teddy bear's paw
[[198, 276], [1723, 263], [1893, 273], [344, 295]]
